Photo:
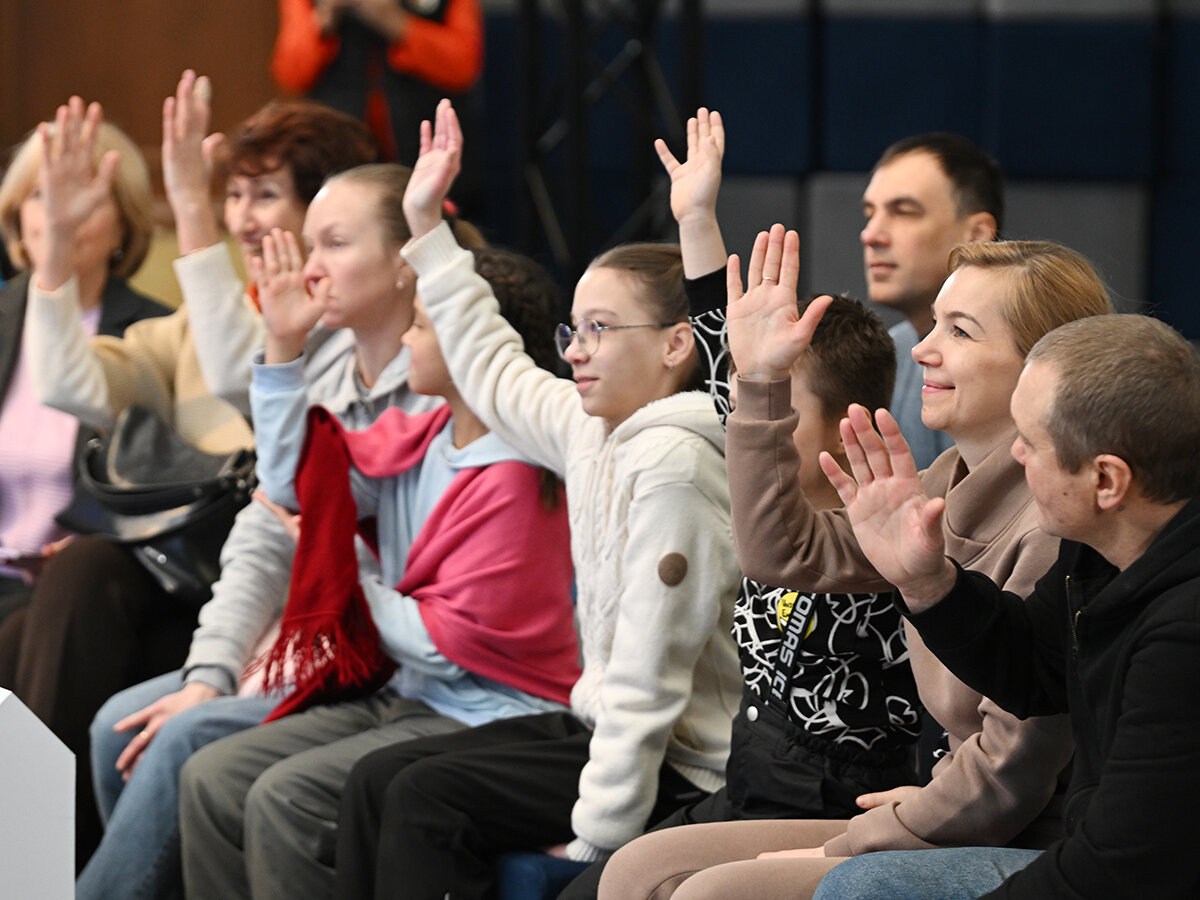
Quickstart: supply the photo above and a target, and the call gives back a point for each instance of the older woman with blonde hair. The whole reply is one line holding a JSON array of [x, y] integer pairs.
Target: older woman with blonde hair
[[38, 444]]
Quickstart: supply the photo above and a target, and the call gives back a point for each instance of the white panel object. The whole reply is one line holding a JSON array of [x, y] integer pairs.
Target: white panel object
[[37, 807]]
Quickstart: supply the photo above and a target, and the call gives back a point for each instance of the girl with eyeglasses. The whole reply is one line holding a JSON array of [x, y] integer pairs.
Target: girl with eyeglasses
[[642, 457]]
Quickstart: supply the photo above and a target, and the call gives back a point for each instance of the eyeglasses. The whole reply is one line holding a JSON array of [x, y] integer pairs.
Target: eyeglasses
[[588, 332]]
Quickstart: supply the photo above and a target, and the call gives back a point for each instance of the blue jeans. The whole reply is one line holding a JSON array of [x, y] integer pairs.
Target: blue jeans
[[959, 873], [139, 854]]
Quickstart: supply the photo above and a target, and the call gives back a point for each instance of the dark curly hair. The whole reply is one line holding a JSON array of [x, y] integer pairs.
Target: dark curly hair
[[528, 299]]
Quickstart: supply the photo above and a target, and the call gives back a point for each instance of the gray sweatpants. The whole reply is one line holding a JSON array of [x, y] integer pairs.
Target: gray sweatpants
[[258, 810]]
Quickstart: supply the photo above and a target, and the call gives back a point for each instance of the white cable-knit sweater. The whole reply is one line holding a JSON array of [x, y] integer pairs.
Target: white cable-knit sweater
[[660, 671]]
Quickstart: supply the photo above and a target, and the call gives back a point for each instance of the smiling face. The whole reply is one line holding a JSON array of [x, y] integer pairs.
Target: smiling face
[[256, 204], [95, 239], [912, 224], [629, 368], [1065, 500], [351, 255], [971, 364]]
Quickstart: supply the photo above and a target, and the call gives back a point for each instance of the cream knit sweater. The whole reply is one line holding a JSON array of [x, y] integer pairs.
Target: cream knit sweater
[[660, 671]]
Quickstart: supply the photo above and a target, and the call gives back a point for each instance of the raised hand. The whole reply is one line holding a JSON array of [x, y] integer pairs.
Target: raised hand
[[767, 334], [71, 189], [187, 152], [437, 166], [897, 526], [289, 311], [695, 184]]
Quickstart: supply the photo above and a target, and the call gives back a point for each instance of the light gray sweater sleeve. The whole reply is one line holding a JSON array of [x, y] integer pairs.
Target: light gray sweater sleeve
[[256, 563]]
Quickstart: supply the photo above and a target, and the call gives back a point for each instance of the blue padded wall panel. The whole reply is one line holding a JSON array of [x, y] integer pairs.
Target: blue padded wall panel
[[1181, 103], [1071, 100], [885, 79], [499, 87], [1173, 294], [758, 74], [1106, 221]]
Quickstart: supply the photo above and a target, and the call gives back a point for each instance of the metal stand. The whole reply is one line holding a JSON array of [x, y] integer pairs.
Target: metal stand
[[554, 118]]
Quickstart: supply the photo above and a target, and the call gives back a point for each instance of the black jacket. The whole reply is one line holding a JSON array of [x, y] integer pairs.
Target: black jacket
[[1119, 651]]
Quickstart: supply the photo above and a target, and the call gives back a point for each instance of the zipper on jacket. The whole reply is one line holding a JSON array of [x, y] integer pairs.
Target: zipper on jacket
[[1074, 621]]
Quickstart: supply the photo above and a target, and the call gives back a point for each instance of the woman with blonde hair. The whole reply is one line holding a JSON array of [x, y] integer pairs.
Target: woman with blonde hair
[[38, 444]]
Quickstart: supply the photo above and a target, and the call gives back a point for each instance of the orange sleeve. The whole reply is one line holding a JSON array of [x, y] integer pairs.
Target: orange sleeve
[[301, 52], [449, 54]]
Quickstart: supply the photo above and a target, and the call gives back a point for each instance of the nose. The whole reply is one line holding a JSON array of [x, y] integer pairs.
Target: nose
[[873, 233], [575, 352], [314, 268], [237, 216], [926, 353]]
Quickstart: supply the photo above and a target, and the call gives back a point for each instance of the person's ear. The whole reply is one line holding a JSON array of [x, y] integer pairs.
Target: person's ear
[[1112, 479], [679, 345], [981, 226], [834, 442], [405, 277]]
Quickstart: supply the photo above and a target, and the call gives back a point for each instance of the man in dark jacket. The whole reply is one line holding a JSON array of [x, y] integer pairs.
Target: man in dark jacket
[[1108, 415]]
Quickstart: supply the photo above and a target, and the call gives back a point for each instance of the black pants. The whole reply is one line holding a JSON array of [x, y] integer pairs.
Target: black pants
[[14, 593], [424, 819], [96, 623]]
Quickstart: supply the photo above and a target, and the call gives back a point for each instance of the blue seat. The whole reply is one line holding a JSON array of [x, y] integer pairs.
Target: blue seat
[[533, 876]]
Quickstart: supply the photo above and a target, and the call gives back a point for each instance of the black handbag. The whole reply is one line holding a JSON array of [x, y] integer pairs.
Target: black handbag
[[173, 505]]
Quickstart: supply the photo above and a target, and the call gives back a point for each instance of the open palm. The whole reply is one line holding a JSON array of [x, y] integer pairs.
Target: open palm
[[71, 189], [897, 526], [289, 311], [696, 182], [767, 333], [437, 166]]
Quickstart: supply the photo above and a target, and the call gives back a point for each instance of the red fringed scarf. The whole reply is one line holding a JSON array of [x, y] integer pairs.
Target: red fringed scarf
[[327, 637]]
